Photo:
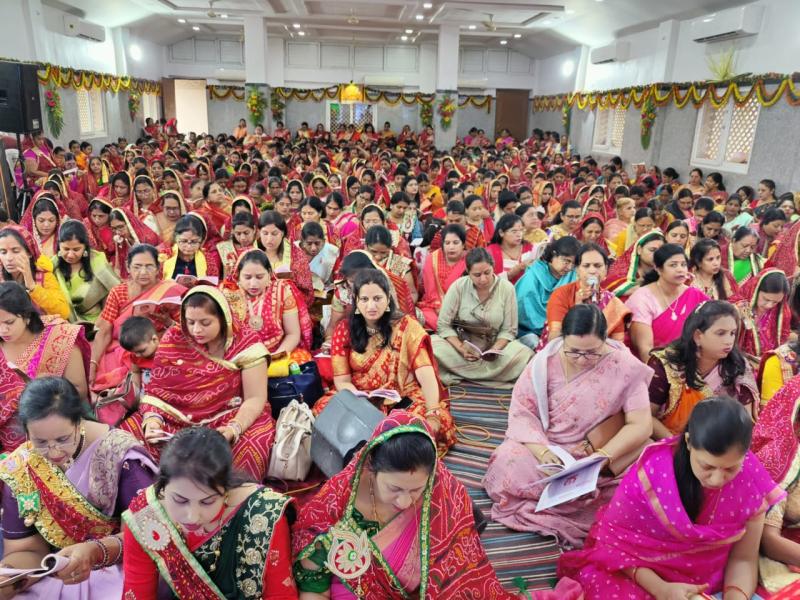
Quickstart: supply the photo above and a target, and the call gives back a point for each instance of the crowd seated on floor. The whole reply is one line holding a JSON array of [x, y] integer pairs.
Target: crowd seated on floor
[[154, 292]]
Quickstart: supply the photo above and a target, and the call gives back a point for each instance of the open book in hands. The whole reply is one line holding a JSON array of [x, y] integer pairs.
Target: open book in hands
[[381, 396], [146, 307], [50, 564], [572, 478], [190, 281], [489, 354]]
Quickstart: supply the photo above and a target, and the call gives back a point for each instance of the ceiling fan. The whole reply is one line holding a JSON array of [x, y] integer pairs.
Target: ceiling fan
[[490, 24], [211, 14], [352, 19]]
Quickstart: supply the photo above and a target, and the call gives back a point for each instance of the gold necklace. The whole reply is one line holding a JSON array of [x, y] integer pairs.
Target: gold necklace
[[374, 504]]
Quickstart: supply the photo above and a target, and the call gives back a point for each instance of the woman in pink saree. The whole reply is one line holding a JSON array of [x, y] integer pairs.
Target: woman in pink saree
[[442, 268], [577, 382], [686, 519], [662, 305]]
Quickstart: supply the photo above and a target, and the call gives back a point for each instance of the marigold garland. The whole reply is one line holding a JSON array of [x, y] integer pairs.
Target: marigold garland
[[426, 114], [566, 118], [223, 92], [718, 94], [77, 79], [276, 106], [256, 104], [446, 109], [55, 112], [648, 121]]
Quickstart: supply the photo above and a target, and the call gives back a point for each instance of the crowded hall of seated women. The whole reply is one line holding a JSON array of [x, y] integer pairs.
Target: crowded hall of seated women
[[514, 314]]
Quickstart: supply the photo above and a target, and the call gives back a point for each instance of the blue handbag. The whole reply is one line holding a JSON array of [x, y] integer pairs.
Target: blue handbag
[[305, 387]]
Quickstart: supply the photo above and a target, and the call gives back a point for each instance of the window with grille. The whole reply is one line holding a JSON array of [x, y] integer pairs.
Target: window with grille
[[149, 107], [356, 113], [724, 137], [91, 113], [609, 128]]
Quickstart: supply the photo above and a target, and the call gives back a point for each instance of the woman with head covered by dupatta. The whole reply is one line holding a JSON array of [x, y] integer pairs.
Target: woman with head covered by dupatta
[[209, 346], [395, 524]]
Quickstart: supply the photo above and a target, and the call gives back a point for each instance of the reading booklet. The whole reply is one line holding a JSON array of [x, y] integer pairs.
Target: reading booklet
[[191, 281], [50, 564], [389, 397], [489, 354], [572, 479]]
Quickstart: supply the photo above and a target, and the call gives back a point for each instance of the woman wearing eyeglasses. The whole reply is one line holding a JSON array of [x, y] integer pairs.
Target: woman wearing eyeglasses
[[139, 295], [585, 394], [65, 489], [189, 260]]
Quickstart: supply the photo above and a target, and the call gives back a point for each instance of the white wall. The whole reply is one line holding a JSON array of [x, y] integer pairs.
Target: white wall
[[191, 105], [554, 75]]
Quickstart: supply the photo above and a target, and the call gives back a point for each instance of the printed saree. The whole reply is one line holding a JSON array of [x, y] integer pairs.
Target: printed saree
[[393, 368], [447, 560], [87, 297], [533, 291], [243, 558], [787, 255], [139, 234], [623, 276], [761, 333], [48, 356], [645, 525], [775, 443], [174, 393]]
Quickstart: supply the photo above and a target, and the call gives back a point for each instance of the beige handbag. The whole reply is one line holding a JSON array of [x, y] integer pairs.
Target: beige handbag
[[290, 459]]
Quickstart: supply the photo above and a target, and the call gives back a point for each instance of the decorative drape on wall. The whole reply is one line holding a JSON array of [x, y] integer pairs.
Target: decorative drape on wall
[[718, 93]]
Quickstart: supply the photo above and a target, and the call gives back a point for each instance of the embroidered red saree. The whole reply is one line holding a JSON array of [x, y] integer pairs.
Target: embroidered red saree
[[437, 277], [190, 388], [449, 561], [761, 333], [391, 367]]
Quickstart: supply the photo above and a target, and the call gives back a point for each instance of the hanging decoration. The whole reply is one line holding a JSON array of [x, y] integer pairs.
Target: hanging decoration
[[742, 90], [566, 117], [446, 109], [476, 102], [395, 98], [66, 77], [223, 92], [256, 105], [351, 93], [55, 112], [648, 121], [134, 100], [426, 114], [318, 94], [277, 106]]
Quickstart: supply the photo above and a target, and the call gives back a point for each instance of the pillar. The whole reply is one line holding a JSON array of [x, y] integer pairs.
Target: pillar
[[256, 65], [446, 83]]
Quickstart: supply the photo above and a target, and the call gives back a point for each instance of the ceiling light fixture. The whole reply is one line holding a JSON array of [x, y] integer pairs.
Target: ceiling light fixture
[[195, 27], [404, 38], [472, 27], [503, 42], [427, 5], [224, 15], [409, 31], [517, 35], [301, 33], [296, 25], [181, 20], [419, 17]]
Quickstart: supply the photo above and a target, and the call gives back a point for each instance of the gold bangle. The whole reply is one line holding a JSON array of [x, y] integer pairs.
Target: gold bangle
[[604, 452]]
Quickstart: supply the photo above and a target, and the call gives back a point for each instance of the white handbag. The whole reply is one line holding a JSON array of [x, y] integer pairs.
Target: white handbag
[[290, 459]]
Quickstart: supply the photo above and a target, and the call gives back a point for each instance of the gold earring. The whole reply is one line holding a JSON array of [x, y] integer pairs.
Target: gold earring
[[388, 309], [356, 311]]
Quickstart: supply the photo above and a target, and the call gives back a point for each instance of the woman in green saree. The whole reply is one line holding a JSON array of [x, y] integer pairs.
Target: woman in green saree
[[204, 530], [84, 274]]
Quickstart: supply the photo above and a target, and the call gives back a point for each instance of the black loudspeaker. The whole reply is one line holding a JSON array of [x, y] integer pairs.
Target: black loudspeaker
[[20, 110], [340, 429], [7, 199]]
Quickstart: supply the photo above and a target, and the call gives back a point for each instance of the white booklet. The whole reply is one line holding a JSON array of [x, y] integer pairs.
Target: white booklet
[[573, 478], [387, 397], [50, 564]]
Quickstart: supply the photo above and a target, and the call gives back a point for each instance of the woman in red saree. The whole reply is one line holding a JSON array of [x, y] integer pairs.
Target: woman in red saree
[[287, 260], [442, 267], [763, 303], [274, 308], [211, 346], [34, 347], [42, 219], [235, 546], [686, 519], [509, 251], [420, 544], [145, 289], [98, 226], [400, 270], [128, 232], [397, 356]]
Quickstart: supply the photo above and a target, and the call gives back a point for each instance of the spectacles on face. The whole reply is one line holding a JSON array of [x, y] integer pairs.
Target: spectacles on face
[[586, 354], [146, 268], [189, 243], [61, 444]]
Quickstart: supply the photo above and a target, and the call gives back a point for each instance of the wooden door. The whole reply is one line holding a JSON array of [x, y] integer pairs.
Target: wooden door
[[511, 112]]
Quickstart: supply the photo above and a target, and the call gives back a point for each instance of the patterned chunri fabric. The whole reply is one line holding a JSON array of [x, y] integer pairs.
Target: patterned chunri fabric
[[513, 554]]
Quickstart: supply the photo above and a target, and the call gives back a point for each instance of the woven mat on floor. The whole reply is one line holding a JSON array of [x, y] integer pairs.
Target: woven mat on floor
[[478, 411]]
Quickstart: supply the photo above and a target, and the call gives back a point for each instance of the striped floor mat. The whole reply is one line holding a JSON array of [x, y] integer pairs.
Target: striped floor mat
[[478, 411]]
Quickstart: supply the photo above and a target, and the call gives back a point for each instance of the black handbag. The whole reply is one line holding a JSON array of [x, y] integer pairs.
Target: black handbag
[[305, 387]]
